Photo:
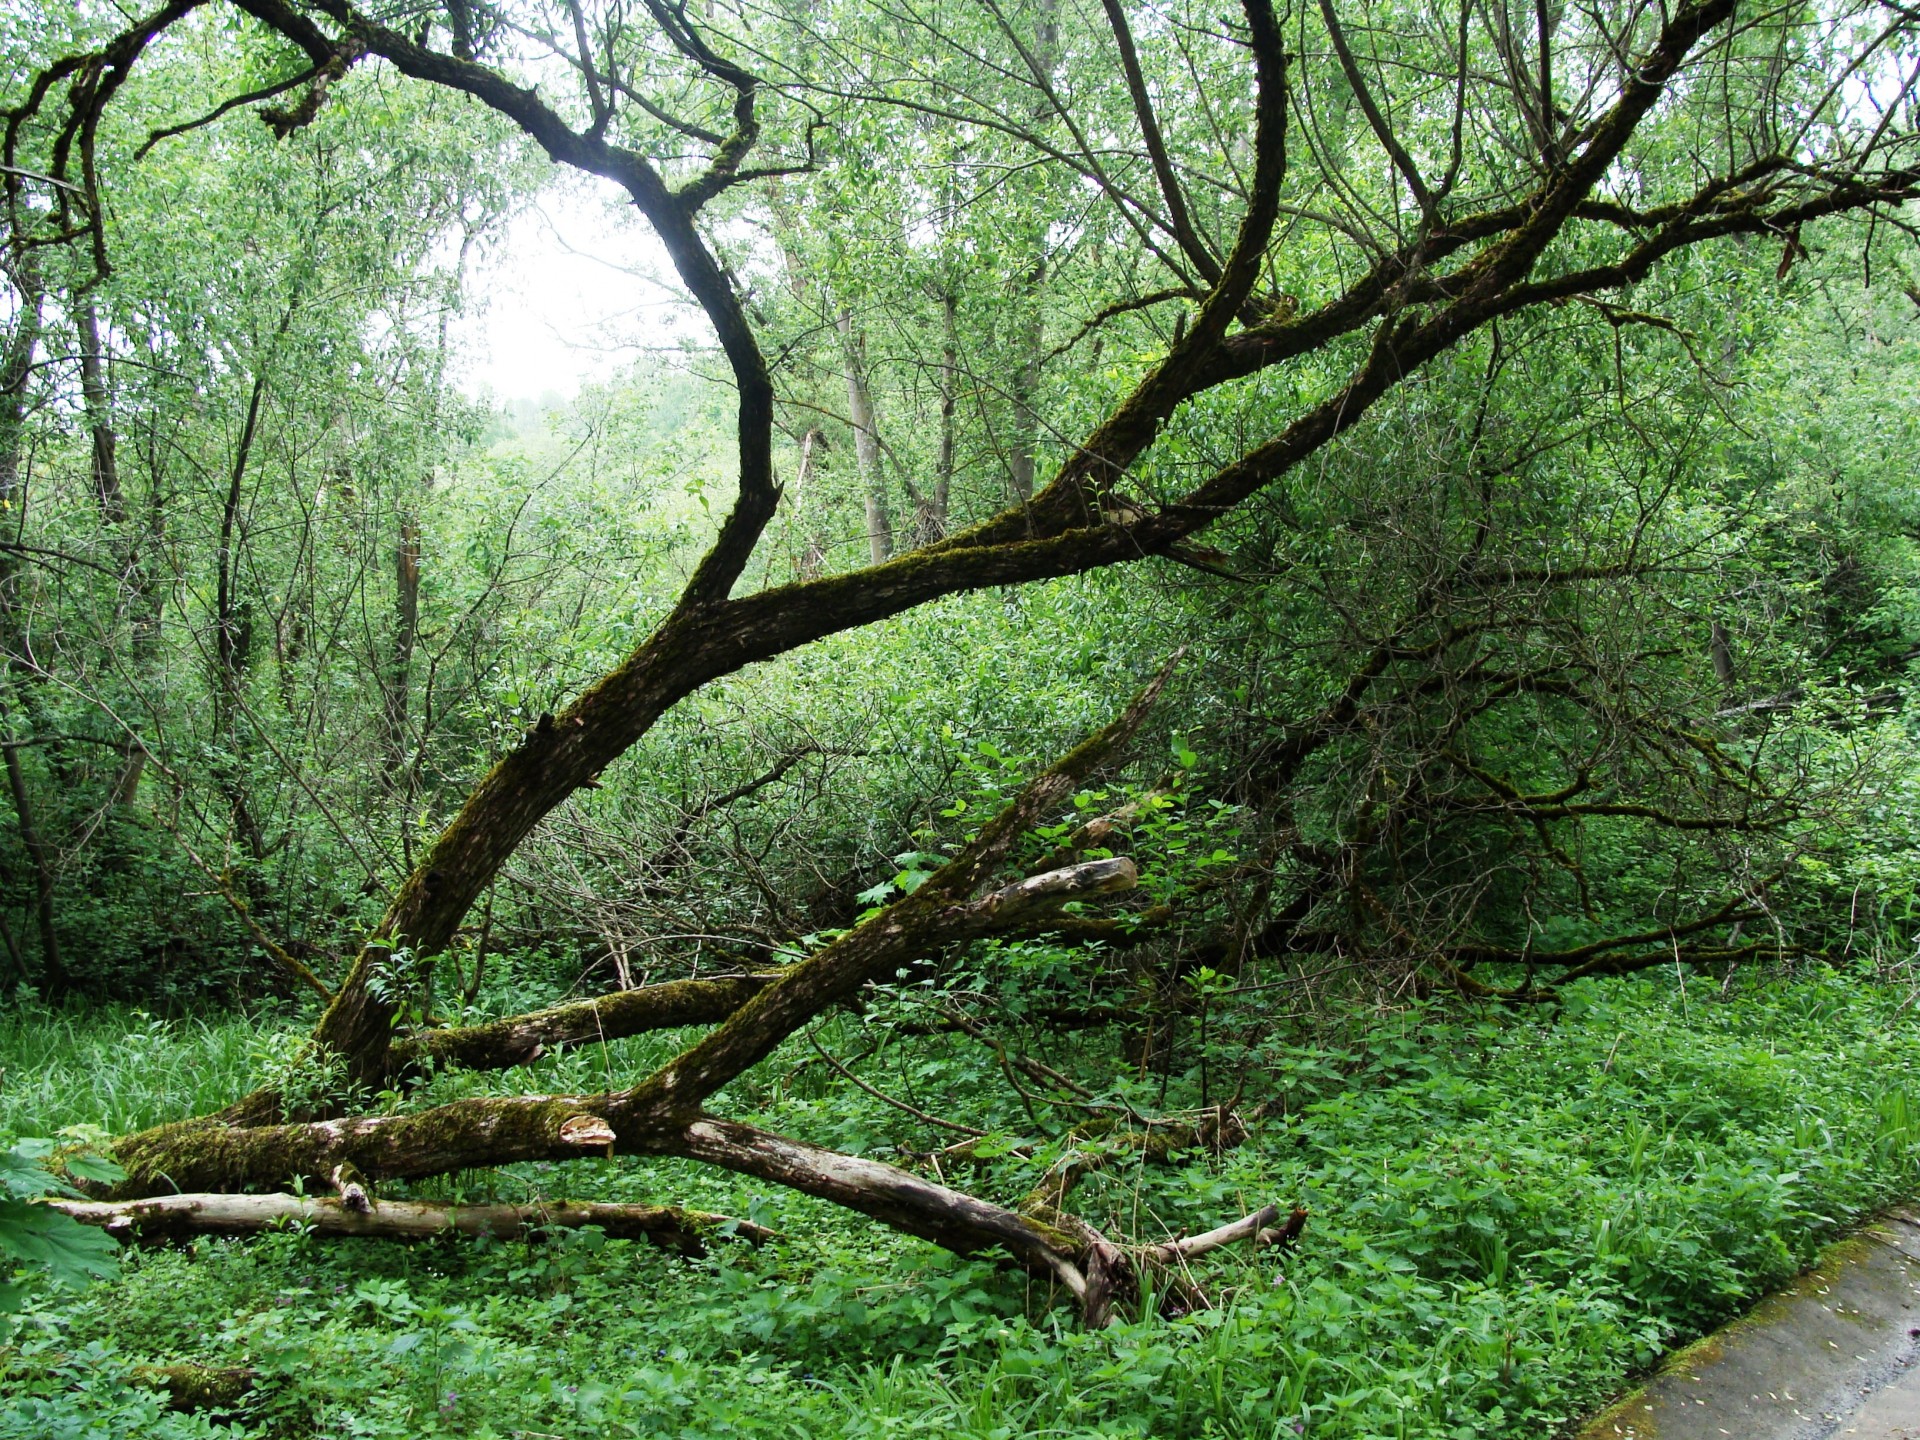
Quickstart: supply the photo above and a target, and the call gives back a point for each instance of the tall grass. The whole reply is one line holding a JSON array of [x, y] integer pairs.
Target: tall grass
[[119, 1069]]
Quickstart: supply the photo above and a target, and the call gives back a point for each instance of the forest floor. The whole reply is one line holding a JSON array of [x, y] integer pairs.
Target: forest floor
[[1512, 1214]]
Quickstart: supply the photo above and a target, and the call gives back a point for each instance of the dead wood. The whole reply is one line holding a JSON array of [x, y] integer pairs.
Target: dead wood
[[647, 1119], [664, 1115], [188, 1385], [177, 1217], [192, 1387], [523, 1039]]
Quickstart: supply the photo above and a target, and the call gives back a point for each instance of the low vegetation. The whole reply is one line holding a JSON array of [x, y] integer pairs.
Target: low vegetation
[[1510, 1214]]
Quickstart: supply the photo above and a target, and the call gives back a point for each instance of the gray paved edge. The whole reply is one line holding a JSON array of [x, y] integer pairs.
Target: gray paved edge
[[1802, 1362]]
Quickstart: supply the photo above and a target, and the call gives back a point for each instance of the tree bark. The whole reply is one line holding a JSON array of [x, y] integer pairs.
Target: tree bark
[[54, 978], [16, 373], [176, 1217], [233, 639], [866, 442], [896, 1198], [248, 1150], [98, 402], [1021, 458], [147, 602], [523, 1039], [811, 561], [648, 1119], [397, 677], [935, 508]]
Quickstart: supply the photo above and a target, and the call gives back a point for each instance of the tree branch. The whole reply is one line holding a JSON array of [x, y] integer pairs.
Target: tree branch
[[176, 1217]]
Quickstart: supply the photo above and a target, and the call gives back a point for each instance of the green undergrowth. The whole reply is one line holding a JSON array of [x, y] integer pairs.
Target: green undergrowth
[[1511, 1213]]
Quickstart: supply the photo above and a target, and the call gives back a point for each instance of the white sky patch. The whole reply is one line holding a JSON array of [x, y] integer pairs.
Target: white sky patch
[[575, 289]]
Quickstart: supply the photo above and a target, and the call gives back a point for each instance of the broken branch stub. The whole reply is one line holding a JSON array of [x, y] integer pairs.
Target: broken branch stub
[[1053, 887], [586, 1130]]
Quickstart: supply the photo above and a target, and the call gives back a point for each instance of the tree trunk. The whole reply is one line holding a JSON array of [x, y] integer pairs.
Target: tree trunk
[[866, 442], [1026, 384], [812, 560], [397, 679], [1031, 327], [650, 1118], [932, 515], [233, 642], [98, 402], [16, 373], [523, 1039], [148, 603], [53, 969]]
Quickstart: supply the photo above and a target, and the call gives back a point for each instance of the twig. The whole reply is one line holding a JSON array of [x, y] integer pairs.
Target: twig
[[265, 941], [884, 1098]]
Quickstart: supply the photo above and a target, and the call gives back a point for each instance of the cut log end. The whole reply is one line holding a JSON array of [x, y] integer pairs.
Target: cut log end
[[353, 1191]]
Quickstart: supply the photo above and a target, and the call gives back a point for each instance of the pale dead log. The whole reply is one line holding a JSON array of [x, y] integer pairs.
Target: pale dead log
[[1102, 828], [173, 1217], [895, 1197], [188, 1385]]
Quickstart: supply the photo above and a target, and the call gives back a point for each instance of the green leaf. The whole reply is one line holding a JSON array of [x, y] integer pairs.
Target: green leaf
[[21, 1173], [72, 1255], [95, 1167]]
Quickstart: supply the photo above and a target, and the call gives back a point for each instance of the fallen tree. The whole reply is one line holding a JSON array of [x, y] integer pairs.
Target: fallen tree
[[176, 1217], [664, 1115]]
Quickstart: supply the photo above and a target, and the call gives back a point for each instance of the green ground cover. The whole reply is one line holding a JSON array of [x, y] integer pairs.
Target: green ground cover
[[1511, 1213]]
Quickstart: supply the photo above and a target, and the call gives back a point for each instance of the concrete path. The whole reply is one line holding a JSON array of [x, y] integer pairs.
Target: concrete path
[[1889, 1414], [1835, 1355]]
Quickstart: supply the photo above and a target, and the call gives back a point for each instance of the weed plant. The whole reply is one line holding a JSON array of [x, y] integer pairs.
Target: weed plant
[[1512, 1213]]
